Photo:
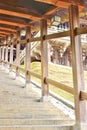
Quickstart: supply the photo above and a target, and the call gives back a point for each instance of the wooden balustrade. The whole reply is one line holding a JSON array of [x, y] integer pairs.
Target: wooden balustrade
[[69, 89]]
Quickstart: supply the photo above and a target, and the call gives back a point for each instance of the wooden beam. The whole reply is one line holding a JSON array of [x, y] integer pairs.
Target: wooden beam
[[60, 86], [79, 31], [44, 58], [12, 21], [78, 81], [2, 34], [51, 11], [5, 32], [57, 35], [19, 12], [83, 95], [8, 29], [63, 3]]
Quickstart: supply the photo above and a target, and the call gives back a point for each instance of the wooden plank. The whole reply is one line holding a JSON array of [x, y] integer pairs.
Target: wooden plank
[[8, 29], [12, 21], [60, 85], [28, 55], [57, 35], [34, 74], [23, 41], [44, 58], [78, 81], [5, 32], [3, 35], [35, 39], [83, 95], [19, 12], [21, 69], [62, 3], [79, 31]]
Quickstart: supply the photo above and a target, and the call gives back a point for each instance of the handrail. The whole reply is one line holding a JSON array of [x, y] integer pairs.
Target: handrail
[[83, 94], [60, 85]]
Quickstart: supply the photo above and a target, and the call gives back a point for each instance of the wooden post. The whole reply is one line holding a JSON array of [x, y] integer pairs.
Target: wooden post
[[49, 55], [18, 53], [11, 55], [3, 53], [44, 58], [0, 53], [6, 54], [78, 81], [28, 53]]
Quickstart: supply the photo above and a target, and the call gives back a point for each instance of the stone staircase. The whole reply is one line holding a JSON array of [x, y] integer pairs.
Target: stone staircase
[[20, 108]]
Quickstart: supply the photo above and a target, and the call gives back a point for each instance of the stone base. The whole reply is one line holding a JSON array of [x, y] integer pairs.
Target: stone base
[[84, 126], [45, 98], [80, 126], [12, 75], [28, 85]]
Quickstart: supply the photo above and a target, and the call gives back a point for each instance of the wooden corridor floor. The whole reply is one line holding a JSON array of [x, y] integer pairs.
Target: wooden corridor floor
[[20, 109]]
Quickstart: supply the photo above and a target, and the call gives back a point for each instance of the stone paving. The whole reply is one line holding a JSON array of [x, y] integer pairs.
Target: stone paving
[[20, 108]]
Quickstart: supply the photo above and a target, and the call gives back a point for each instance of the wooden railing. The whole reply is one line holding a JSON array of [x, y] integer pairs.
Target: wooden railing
[[69, 89]]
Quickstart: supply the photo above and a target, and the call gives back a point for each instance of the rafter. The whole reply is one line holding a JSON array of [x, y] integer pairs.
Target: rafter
[[61, 3], [12, 21], [19, 12], [2, 35], [8, 29], [2, 30]]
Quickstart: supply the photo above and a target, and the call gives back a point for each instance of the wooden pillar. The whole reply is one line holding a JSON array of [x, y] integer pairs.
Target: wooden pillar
[[56, 56], [6, 54], [3, 53], [11, 53], [18, 53], [28, 54], [78, 81], [49, 52], [0, 53], [44, 58]]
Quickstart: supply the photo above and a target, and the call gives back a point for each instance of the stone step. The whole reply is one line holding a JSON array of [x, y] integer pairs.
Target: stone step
[[30, 115], [37, 121], [36, 127]]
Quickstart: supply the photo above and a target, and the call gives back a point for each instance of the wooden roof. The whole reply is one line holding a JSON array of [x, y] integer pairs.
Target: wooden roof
[[15, 14]]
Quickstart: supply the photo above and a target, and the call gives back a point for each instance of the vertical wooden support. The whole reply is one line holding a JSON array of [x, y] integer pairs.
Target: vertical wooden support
[[11, 53], [49, 55], [80, 106], [3, 53], [0, 53], [44, 57], [6, 54], [28, 53], [18, 53]]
